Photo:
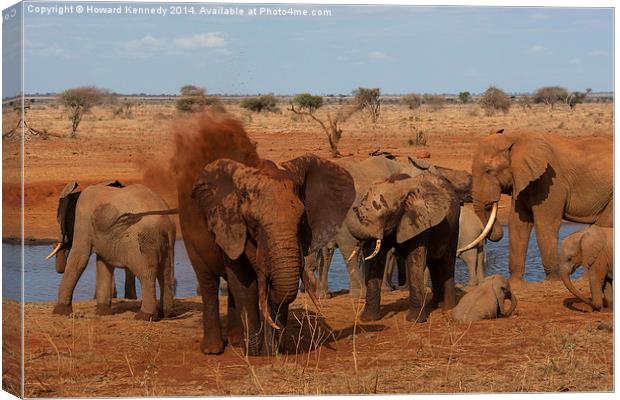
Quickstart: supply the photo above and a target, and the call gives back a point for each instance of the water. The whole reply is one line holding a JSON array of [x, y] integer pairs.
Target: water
[[42, 280]]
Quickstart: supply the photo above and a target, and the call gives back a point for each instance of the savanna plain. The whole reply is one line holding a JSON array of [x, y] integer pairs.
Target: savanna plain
[[548, 345]]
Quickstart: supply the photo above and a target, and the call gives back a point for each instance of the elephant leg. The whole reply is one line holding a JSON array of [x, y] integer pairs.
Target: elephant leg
[[416, 264], [76, 264], [402, 271], [130, 285], [390, 262], [547, 238], [374, 277], [148, 310], [520, 225], [166, 297], [234, 328], [442, 279], [357, 286], [608, 293], [325, 262], [481, 263], [105, 280], [597, 282], [471, 259], [243, 286]]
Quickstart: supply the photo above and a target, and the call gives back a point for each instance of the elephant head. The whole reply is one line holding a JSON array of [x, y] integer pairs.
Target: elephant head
[[403, 206], [506, 164], [460, 180], [65, 216], [587, 248], [501, 289], [274, 216]]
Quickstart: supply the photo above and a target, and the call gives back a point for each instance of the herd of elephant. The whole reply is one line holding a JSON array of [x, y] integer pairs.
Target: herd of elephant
[[263, 228]]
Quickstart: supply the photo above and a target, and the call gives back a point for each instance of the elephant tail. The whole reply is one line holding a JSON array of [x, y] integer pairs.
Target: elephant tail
[[565, 276]]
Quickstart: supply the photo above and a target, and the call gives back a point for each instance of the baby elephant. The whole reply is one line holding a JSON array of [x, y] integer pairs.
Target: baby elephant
[[593, 249], [486, 301]]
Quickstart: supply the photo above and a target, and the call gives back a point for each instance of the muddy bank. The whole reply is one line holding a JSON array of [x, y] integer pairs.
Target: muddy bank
[[548, 345]]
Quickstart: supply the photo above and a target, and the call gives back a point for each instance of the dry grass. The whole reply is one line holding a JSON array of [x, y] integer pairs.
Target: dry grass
[[336, 354]]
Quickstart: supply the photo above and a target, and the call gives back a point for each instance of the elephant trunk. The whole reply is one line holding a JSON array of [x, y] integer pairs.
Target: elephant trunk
[[480, 209], [285, 271], [61, 260], [565, 272]]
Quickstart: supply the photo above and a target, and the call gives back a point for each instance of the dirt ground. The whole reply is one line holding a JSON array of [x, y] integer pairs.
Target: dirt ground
[[546, 346]]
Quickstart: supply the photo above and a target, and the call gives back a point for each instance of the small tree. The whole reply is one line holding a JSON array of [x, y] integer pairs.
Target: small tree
[[464, 97], [493, 100], [576, 98], [79, 101], [369, 100], [192, 90], [434, 101], [307, 104], [265, 102], [412, 100], [550, 95]]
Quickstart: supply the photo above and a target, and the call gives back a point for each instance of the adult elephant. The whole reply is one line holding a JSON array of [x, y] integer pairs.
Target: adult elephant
[[96, 220], [249, 221], [550, 178], [418, 216], [470, 228], [365, 173]]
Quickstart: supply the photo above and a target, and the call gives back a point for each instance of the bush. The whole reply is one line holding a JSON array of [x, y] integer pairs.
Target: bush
[[493, 100], [265, 102], [550, 95], [191, 90], [79, 101], [369, 100], [464, 97], [412, 100], [434, 101], [308, 102]]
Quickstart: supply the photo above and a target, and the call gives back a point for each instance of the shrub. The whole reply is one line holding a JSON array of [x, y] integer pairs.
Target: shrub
[[308, 102], [434, 101], [265, 102], [494, 99], [79, 101], [577, 98], [412, 100], [369, 100], [191, 90], [550, 95], [464, 97]]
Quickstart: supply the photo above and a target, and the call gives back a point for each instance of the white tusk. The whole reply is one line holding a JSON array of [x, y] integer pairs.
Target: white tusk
[[353, 253], [484, 233], [374, 253], [56, 250]]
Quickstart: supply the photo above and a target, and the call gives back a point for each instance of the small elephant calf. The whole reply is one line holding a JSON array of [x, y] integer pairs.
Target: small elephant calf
[[591, 248], [486, 301]]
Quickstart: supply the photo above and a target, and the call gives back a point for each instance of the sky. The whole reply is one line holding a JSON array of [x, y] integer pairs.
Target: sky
[[400, 49]]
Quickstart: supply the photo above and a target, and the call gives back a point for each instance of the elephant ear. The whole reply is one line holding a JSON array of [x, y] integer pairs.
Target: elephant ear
[[218, 198], [65, 215], [529, 159], [594, 248], [327, 191], [426, 205]]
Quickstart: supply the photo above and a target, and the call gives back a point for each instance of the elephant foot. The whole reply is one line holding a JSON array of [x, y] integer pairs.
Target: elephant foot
[[417, 314], [62, 309], [212, 347], [357, 294], [370, 315], [165, 314], [515, 280], [103, 310], [142, 316], [131, 296]]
